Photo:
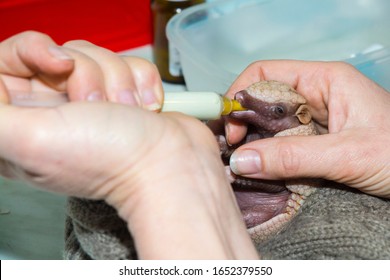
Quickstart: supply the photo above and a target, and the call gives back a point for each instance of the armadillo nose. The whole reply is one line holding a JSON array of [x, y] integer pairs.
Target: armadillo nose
[[240, 95]]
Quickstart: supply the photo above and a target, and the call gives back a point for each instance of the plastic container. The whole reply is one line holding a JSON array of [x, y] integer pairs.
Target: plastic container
[[164, 57], [217, 40]]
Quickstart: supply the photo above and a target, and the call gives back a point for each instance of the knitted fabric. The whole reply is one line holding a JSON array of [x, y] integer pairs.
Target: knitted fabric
[[93, 230], [334, 223]]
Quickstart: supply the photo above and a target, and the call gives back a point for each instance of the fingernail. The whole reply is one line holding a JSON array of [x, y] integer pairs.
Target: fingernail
[[95, 96], [128, 97], [59, 53], [227, 133], [150, 101], [245, 162]]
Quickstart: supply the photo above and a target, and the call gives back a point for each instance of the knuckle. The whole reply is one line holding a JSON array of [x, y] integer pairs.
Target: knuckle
[[340, 68], [78, 44], [255, 65], [289, 163], [140, 63], [149, 67], [33, 35], [342, 65], [144, 70], [257, 68], [30, 37]]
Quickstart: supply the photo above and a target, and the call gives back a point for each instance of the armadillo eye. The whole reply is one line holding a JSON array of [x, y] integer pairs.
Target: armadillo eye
[[278, 110]]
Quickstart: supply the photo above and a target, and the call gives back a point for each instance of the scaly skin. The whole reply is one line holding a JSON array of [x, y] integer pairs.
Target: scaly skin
[[300, 189], [274, 110]]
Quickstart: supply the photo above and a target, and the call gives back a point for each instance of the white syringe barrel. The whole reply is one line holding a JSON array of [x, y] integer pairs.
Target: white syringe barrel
[[201, 105]]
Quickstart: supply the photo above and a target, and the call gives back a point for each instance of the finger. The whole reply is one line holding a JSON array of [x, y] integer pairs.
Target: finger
[[86, 82], [148, 82], [128, 80], [30, 53], [235, 131], [117, 78], [335, 157]]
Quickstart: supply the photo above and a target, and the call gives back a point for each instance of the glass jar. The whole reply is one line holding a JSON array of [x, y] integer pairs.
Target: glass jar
[[163, 10]]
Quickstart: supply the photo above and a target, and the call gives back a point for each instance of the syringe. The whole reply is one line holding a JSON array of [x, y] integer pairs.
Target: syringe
[[201, 105]]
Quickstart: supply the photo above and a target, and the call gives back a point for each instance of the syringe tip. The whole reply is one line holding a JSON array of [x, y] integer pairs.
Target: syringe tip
[[236, 106], [230, 105]]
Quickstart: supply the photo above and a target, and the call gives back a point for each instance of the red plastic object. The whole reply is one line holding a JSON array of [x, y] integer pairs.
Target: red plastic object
[[115, 24]]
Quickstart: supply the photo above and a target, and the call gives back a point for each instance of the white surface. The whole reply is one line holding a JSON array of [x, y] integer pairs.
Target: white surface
[[32, 221]]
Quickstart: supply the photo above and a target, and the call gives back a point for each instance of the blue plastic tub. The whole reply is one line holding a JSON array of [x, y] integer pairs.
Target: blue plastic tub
[[217, 40]]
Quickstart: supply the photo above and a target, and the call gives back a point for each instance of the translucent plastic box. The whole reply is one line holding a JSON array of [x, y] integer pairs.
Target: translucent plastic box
[[217, 40]]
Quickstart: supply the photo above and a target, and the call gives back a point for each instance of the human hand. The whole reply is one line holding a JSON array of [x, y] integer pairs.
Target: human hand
[[136, 160], [33, 62], [162, 172], [345, 104]]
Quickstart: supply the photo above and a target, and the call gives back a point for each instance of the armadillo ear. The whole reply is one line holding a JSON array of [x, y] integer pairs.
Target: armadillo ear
[[303, 114]]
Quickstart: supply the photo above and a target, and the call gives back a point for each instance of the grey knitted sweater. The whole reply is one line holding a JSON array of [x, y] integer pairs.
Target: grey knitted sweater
[[334, 223]]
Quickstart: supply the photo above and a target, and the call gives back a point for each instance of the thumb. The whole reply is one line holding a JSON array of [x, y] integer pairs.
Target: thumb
[[330, 156]]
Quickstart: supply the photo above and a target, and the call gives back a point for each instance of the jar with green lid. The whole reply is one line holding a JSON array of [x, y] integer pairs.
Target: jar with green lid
[[163, 56]]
